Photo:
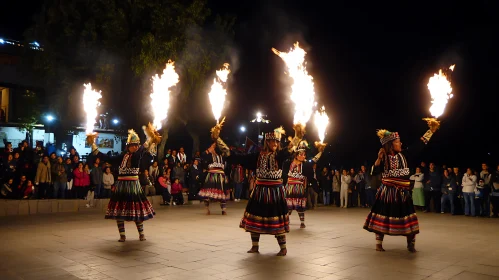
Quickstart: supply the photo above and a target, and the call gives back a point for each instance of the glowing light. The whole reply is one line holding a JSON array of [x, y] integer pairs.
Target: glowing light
[[50, 118], [116, 121], [90, 103], [2, 41], [160, 95], [219, 91], [259, 118], [242, 128], [441, 91], [302, 90]]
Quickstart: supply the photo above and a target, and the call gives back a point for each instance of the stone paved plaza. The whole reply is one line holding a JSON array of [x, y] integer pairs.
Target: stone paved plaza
[[185, 244]]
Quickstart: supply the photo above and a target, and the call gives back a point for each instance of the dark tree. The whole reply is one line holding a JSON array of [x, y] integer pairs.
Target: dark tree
[[118, 45]]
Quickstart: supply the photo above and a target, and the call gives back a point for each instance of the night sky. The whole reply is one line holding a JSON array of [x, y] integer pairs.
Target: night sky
[[370, 63]]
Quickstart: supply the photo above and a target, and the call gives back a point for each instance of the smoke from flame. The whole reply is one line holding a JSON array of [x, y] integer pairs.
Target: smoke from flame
[[219, 91], [302, 90], [160, 95], [90, 103]]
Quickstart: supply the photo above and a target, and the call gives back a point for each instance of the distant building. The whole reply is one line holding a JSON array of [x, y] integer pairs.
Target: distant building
[[107, 141], [20, 87], [21, 90], [12, 133]]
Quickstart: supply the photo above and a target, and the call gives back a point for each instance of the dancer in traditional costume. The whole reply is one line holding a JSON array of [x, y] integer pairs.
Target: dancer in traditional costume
[[297, 175], [128, 201], [266, 211], [215, 187], [393, 211]]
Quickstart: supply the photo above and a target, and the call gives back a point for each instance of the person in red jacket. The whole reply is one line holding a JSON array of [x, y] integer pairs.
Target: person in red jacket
[[81, 181], [27, 190], [177, 192], [166, 185]]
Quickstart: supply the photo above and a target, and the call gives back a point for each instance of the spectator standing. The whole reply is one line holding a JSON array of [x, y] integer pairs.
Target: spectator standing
[[60, 179], [108, 182], [96, 176], [43, 178]]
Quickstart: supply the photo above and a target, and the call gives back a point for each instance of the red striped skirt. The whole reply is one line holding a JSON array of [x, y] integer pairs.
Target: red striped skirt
[[128, 202], [393, 212], [266, 211], [215, 187], [296, 195]]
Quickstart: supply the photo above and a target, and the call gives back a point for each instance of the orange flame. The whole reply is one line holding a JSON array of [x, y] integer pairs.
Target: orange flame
[[219, 91], [441, 91], [90, 103], [321, 122], [302, 90], [160, 95]]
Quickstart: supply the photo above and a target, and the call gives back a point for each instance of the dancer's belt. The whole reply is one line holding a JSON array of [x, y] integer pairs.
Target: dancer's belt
[[397, 183], [216, 170], [295, 181], [268, 182], [128, 178]]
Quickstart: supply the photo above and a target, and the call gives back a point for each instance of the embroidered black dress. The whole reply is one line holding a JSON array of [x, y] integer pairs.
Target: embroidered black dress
[[128, 201], [266, 211], [296, 177], [393, 211], [215, 187]]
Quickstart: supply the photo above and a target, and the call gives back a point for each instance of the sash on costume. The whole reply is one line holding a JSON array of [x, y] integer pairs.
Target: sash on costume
[[216, 170], [295, 181], [267, 182], [397, 183], [402, 186], [128, 178]]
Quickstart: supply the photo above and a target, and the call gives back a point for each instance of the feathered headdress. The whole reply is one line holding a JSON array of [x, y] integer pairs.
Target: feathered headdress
[[91, 138], [433, 123], [386, 136], [151, 133], [133, 138], [215, 131], [302, 146], [276, 134]]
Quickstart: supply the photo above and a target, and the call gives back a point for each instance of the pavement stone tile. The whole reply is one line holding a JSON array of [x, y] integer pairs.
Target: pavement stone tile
[[185, 244]]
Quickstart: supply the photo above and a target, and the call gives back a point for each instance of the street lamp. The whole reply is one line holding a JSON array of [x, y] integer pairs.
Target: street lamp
[[258, 120], [116, 121], [50, 118], [242, 128]]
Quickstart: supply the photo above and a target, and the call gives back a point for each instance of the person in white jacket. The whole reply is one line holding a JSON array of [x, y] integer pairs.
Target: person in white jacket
[[108, 182], [345, 181], [417, 191], [469, 185]]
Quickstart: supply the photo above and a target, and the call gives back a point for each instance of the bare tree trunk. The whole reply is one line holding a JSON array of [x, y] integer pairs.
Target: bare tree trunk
[[195, 140], [162, 144], [29, 137], [192, 132]]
